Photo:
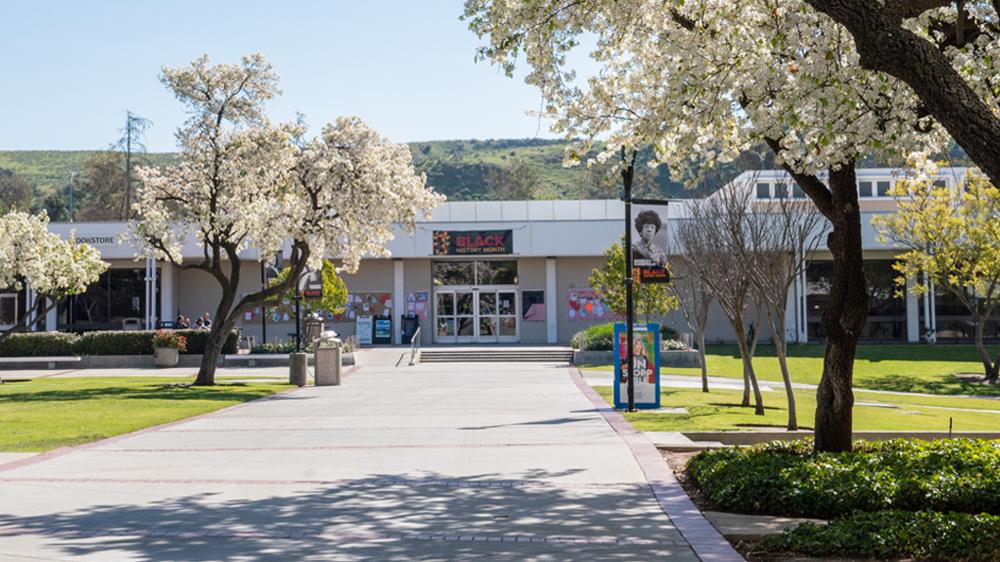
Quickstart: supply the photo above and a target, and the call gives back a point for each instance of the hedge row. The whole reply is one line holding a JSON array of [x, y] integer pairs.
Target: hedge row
[[787, 479], [922, 535], [42, 344]]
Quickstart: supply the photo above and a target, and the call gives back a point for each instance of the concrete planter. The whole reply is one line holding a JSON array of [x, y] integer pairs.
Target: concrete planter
[[165, 357], [679, 359]]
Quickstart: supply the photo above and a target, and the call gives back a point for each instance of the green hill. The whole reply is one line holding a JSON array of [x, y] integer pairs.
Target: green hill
[[464, 170]]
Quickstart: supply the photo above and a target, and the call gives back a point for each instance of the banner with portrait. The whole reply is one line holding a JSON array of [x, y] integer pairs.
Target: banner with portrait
[[649, 244]]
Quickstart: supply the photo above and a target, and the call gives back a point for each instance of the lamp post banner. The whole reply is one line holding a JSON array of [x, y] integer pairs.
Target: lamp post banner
[[649, 243], [646, 358]]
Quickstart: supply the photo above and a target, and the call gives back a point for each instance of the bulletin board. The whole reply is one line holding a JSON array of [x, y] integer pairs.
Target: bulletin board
[[365, 304]]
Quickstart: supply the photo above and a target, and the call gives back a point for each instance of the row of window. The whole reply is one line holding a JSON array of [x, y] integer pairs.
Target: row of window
[[779, 190]]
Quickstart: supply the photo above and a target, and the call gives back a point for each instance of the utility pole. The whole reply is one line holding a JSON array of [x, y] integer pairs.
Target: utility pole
[[72, 189]]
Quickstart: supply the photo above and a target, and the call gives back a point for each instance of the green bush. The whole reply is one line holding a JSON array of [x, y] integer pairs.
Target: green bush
[[667, 333], [896, 534], [283, 347], [38, 344], [115, 343], [599, 337], [42, 344], [788, 479]]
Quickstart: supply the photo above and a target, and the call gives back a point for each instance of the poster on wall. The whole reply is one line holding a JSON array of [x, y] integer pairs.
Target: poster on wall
[[533, 306], [585, 306], [473, 242], [646, 360], [363, 329], [371, 304], [417, 303], [649, 246]]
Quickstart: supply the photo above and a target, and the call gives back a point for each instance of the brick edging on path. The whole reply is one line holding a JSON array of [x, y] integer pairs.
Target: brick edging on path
[[708, 544], [55, 453]]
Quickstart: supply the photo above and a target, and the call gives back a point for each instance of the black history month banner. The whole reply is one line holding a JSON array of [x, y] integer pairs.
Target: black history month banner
[[473, 242], [649, 243]]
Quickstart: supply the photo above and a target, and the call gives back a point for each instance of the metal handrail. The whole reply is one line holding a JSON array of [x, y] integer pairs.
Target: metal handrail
[[414, 346]]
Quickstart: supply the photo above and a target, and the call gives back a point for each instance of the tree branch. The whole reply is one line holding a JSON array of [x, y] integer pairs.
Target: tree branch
[[810, 184]]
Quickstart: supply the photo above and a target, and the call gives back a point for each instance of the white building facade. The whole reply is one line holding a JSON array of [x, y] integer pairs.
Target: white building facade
[[492, 272]]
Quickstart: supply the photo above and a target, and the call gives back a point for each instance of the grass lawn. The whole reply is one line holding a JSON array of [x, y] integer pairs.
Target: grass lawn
[[719, 410], [905, 368], [44, 414]]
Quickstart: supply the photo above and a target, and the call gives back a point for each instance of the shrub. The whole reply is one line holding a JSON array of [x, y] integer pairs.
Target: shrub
[[599, 337], [896, 534], [115, 343], [667, 333], [788, 479], [42, 344], [282, 347], [38, 344], [197, 339]]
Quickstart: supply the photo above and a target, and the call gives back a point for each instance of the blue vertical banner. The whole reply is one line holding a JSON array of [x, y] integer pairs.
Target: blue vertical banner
[[646, 354]]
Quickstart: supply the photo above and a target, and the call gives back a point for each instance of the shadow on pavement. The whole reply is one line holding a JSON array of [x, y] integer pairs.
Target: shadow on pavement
[[393, 518]]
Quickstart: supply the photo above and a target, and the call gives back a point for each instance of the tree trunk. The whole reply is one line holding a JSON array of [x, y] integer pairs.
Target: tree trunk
[[778, 331], [844, 318], [749, 378], [213, 350], [701, 358], [988, 370]]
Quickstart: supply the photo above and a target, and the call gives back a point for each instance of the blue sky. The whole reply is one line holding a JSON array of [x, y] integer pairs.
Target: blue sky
[[71, 69]]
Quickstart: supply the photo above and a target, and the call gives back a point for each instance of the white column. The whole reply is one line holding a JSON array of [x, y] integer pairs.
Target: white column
[[167, 307], [912, 312], [398, 304], [802, 320], [791, 334], [551, 302], [933, 307], [51, 318]]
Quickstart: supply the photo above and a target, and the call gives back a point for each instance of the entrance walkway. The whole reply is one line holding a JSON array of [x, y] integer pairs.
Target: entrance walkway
[[434, 462]]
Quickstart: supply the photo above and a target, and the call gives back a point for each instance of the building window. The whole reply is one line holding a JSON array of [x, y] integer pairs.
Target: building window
[[475, 272], [865, 189], [781, 190], [798, 192], [8, 309], [763, 191], [883, 188], [117, 295], [887, 313], [940, 183]]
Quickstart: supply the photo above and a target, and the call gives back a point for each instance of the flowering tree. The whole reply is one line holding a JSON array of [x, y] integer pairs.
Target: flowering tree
[[946, 51], [244, 183], [54, 268], [703, 80], [951, 237]]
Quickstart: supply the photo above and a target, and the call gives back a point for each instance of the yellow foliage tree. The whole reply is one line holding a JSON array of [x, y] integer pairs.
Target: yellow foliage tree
[[951, 235]]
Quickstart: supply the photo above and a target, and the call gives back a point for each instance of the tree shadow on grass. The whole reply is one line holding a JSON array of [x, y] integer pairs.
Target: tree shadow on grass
[[945, 385], [393, 517], [737, 405], [24, 394]]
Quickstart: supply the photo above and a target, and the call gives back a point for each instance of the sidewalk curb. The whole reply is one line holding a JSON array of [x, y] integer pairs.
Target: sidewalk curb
[[707, 543]]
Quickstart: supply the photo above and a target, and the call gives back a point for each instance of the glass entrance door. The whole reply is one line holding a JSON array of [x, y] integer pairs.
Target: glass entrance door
[[475, 315]]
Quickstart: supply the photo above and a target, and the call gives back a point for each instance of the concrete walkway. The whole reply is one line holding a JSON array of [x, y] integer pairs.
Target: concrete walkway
[[434, 462]]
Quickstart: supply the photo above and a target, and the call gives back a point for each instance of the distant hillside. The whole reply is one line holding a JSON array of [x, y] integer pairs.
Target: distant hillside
[[464, 170]]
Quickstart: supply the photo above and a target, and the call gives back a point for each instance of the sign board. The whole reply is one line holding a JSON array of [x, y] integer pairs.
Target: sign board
[[473, 242], [646, 350], [363, 329], [649, 246]]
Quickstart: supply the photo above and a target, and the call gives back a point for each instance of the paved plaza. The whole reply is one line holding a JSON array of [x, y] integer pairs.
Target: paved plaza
[[433, 462]]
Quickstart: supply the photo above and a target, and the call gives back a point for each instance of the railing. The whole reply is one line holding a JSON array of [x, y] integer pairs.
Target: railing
[[414, 346]]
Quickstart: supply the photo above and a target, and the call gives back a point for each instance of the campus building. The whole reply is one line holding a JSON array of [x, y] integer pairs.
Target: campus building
[[494, 272]]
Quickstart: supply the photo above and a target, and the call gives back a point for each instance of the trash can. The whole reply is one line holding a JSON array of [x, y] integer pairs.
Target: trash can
[[328, 359], [297, 371], [313, 328]]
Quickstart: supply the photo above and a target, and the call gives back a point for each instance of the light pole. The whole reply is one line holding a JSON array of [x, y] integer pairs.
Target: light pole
[[72, 186]]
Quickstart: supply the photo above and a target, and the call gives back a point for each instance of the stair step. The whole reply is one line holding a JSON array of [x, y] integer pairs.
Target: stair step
[[487, 355]]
